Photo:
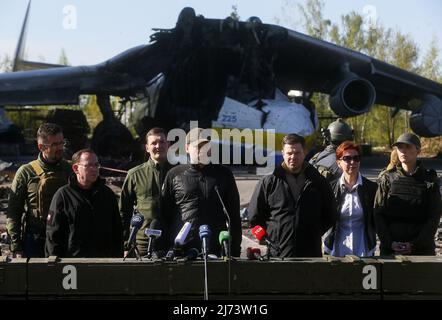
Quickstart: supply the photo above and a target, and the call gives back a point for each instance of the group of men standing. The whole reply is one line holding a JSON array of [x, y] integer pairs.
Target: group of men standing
[[295, 204], [82, 218]]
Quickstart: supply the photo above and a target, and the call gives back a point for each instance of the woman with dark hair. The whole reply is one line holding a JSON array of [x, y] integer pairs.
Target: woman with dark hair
[[354, 231]]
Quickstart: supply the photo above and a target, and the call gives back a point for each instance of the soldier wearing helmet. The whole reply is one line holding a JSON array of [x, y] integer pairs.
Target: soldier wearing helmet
[[325, 161]]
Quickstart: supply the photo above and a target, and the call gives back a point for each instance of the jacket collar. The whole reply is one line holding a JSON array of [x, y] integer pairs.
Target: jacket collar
[[419, 168], [310, 172], [73, 183], [48, 166], [157, 166]]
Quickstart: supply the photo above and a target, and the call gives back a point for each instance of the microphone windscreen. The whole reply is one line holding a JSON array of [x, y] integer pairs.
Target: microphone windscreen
[[155, 233], [258, 232], [182, 235], [223, 236], [137, 220], [205, 231]]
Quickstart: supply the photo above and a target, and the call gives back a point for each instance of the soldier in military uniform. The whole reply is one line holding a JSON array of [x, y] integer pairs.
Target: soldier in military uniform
[[142, 186], [32, 190], [325, 161], [407, 203]]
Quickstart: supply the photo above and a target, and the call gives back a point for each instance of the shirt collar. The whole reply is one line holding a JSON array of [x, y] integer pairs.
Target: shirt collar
[[358, 183], [153, 164]]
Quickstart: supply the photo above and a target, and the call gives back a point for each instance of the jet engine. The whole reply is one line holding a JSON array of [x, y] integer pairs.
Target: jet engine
[[352, 96], [427, 122]]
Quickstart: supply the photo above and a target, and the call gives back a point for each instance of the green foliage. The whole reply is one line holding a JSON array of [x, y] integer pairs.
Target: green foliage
[[92, 111], [392, 46], [234, 14], [313, 22], [5, 63], [63, 59]]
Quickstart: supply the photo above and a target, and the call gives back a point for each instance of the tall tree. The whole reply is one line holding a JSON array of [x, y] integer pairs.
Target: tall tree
[[313, 19], [63, 59], [431, 65], [234, 14], [6, 63]]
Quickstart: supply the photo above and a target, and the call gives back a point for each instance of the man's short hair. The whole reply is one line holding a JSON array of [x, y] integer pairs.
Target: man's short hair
[[48, 129], [293, 138], [77, 155], [155, 132]]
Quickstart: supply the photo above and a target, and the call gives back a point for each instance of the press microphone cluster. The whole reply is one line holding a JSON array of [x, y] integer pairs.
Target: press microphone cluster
[[260, 235]]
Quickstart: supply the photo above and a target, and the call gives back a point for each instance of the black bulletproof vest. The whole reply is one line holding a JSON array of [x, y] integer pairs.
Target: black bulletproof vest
[[407, 198]]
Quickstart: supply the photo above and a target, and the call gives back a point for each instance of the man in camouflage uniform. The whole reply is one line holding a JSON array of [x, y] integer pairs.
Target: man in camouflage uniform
[[407, 204], [142, 187], [31, 193]]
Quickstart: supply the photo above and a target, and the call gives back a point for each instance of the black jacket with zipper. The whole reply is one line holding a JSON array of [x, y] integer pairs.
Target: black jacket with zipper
[[84, 223], [188, 195], [295, 225], [366, 193]]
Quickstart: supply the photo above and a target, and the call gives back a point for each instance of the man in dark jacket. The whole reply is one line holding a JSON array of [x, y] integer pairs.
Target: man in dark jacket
[[84, 220], [189, 195], [407, 205], [295, 204]]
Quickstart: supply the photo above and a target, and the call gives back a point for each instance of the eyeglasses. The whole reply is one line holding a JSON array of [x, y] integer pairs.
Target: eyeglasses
[[56, 144], [350, 158], [89, 166]]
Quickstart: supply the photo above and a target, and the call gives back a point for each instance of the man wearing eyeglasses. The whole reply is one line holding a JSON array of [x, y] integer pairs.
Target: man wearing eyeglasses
[[84, 220], [407, 204], [32, 190]]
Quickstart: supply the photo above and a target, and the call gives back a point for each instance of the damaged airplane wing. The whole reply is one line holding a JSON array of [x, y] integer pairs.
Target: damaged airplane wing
[[201, 61]]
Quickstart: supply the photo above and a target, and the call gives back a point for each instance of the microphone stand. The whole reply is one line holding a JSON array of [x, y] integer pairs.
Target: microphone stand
[[206, 286], [229, 256], [133, 247], [149, 248]]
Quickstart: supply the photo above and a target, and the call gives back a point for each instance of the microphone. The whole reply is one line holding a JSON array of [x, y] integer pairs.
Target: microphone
[[179, 241], [260, 234], [205, 234], [135, 224], [224, 239], [182, 235], [152, 234], [254, 254]]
